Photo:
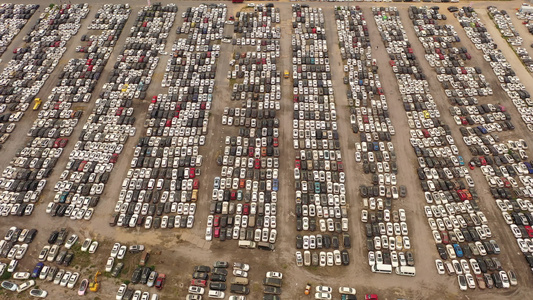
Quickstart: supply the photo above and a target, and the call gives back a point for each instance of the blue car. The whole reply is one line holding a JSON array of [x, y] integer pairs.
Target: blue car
[[275, 184], [458, 250], [461, 160], [37, 270]]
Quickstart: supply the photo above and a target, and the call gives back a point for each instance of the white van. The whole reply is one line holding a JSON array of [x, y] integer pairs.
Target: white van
[[382, 268], [406, 271]]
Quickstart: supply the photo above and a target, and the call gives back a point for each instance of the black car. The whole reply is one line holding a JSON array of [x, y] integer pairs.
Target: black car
[[200, 275], [345, 257], [272, 290], [145, 274], [117, 269], [53, 237], [219, 286], [220, 271], [68, 258], [136, 276], [202, 269], [30, 236], [221, 264], [220, 278]]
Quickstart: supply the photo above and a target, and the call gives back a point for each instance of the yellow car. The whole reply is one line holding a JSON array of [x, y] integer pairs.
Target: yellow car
[[286, 74], [426, 114]]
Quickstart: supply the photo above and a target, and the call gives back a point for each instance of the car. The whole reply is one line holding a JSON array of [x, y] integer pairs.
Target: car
[[346, 290], [37, 270], [196, 290], [160, 281], [461, 279], [25, 285], [322, 296], [121, 291], [71, 241], [73, 280], [241, 266], [323, 289], [440, 266], [38, 293], [117, 269], [93, 247], [277, 275], [86, 244], [8, 285], [109, 264]]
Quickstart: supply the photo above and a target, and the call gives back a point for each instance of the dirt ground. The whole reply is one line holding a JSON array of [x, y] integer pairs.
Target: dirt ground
[[176, 251]]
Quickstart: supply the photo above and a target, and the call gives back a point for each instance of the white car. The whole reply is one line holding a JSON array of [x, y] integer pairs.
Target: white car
[[440, 266], [93, 247], [72, 280], [277, 275], [86, 244], [322, 296], [109, 264], [122, 252], [323, 289], [240, 273], [71, 241], [346, 290], [121, 291]]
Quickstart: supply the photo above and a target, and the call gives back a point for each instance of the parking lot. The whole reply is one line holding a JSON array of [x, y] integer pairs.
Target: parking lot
[[174, 175]]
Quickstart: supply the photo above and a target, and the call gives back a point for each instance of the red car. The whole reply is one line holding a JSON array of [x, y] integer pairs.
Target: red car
[[196, 184], [340, 167], [192, 172], [371, 297], [56, 142], [216, 222], [246, 209], [257, 163], [198, 282], [217, 232], [63, 143], [250, 151], [445, 237], [529, 231], [276, 143], [160, 281], [113, 158], [154, 99], [297, 164]]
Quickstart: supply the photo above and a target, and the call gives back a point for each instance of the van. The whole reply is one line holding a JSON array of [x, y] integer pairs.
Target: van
[[247, 244], [406, 271], [265, 246], [272, 282], [382, 268], [449, 268], [239, 280], [144, 258]]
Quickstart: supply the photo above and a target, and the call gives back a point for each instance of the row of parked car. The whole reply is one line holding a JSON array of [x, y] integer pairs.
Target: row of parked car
[[250, 162], [503, 22], [218, 286], [31, 65], [57, 120], [318, 169], [509, 81], [111, 122], [25, 177], [13, 17], [479, 240], [447, 219], [386, 237]]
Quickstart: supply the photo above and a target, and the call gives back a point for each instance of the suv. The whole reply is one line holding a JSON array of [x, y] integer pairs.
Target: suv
[[239, 289], [136, 248]]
